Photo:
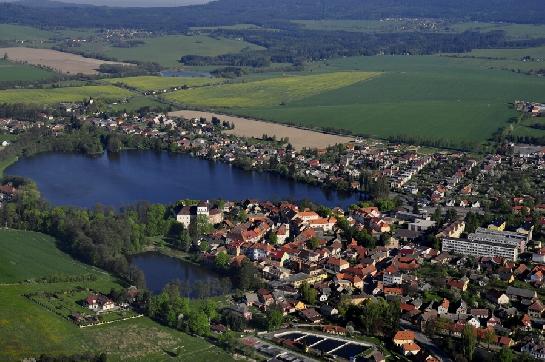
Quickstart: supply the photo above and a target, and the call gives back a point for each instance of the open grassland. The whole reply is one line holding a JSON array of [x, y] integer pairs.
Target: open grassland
[[512, 31], [149, 83], [431, 97], [167, 50], [9, 32], [28, 255], [136, 103], [269, 92], [29, 330], [512, 54], [68, 94], [13, 72], [59, 61]]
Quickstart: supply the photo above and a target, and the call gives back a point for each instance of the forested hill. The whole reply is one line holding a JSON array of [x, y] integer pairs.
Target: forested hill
[[224, 12]]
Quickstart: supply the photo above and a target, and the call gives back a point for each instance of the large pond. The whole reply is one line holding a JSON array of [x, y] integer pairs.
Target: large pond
[[194, 280], [159, 177]]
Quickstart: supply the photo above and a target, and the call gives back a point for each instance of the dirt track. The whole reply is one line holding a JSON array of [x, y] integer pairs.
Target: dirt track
[[62, 62], [299, 138]]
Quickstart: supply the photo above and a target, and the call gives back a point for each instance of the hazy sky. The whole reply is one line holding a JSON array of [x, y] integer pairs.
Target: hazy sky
[[139, 3]]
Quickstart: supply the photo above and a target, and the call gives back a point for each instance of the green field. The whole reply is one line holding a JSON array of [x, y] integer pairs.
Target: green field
[[269, 92], [11, 32], [68, 94], [512, 54], [27, 329], [13, 72], [135, 103], [431, 97], [21, 251], [512, 31], [167, 50], [148, 83]]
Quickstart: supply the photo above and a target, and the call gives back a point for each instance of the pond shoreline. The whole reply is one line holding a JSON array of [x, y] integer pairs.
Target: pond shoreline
[[123, 179]]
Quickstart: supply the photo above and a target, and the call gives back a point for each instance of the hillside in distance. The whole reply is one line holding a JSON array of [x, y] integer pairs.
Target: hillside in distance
[[224, 12]]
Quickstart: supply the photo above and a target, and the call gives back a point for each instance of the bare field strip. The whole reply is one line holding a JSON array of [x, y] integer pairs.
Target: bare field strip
[[62, 62], [299, 138]]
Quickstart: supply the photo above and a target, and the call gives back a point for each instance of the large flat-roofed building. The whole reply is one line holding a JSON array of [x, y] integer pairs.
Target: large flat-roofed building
[[479, 248], [500, 237]]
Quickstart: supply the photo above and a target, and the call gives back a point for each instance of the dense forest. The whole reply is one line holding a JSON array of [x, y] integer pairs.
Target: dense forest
[[264, 12], [297, 46]]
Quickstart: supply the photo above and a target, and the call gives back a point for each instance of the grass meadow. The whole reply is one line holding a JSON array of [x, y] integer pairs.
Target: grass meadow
[[28, 255], [512, 31], [13, 72], [433, 97], [268, 92], [150, 83], [167, 50], [29, 330], [69, 94]]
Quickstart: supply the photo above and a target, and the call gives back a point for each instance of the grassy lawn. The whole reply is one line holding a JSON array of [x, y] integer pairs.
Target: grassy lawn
[[135, 103], [167, 50], [11, 72], [269, 92], [28, 255], [149, 83], [68, 94]]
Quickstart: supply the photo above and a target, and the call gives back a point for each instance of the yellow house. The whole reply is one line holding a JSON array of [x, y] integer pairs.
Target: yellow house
[[299, 305], [498, 226], [299, 279]]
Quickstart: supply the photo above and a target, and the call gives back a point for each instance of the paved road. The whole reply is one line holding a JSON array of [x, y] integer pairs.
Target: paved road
[[425, 341]]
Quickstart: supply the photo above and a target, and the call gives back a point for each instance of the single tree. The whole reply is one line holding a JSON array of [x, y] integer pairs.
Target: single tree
[[469, 341]]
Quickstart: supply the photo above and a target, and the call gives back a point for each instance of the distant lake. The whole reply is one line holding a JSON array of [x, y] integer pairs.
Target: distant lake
[[195, 281], [159, 177], [185, 74]]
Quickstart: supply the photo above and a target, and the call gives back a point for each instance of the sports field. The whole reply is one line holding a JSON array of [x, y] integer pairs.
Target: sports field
[[13, 72], [58, 95], [149, 83], [269, 92], [167, 50]]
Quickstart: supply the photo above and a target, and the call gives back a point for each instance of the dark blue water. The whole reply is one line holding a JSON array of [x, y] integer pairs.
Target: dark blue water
[[159, 177], [194, 280]]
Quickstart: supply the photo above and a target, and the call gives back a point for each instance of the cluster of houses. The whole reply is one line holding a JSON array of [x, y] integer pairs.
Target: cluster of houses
[[532, 108], [309, 249]]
